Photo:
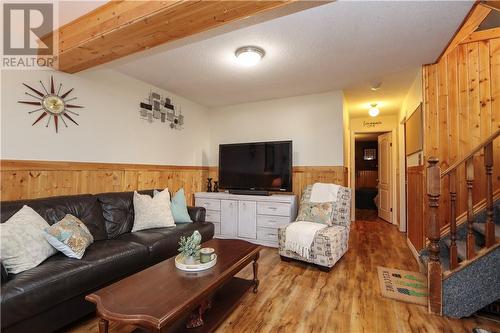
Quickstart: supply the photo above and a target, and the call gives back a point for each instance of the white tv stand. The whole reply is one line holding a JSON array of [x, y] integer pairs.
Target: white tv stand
[[253, 218]]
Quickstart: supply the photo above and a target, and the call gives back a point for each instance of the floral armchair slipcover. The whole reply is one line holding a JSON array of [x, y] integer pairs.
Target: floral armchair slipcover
[[330, 243]]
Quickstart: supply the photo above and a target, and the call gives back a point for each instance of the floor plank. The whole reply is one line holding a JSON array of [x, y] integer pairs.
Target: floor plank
[[295, 297]]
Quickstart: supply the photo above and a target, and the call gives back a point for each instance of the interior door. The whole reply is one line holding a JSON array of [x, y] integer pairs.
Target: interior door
[[228, 217], [384, 176], [247, 219]]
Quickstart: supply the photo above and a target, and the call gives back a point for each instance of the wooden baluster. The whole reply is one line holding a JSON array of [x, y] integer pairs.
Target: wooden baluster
[[488, 165], [434, 273], [469, 169], [453, 220]]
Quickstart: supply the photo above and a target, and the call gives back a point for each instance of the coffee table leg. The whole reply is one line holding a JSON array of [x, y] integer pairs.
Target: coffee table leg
[[255, 272], [103, 326]]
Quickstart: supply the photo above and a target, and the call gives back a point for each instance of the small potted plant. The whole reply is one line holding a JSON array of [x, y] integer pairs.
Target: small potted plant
[[189, 247]]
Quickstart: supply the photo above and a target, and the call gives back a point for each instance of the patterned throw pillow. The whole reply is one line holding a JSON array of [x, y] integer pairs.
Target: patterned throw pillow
[[22, 245], [319, 212], [70, 236], [152, 212]]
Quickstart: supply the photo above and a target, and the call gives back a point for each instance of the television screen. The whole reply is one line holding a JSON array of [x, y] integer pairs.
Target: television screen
[[256, 166]]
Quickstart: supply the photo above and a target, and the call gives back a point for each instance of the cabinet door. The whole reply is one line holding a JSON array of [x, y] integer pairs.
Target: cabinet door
[[228, 217], [247, 219]]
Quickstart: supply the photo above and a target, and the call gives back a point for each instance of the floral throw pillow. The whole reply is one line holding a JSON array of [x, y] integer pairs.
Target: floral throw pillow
[[70, 236], [319, 212]]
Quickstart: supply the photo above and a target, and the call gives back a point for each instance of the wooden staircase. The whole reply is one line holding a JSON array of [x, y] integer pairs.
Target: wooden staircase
[[452, 263]]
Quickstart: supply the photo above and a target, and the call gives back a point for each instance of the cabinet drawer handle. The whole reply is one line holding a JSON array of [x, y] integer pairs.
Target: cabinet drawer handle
[[272, 208]]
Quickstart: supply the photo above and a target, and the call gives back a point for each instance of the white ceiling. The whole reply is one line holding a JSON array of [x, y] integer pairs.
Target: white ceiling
[[329, 47], [71, 10], [388, 97]]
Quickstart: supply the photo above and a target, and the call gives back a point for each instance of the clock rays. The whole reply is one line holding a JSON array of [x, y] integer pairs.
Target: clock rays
[[51, 103]]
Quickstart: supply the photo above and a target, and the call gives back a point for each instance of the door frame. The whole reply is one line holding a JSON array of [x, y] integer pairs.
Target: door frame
[[394, 153]]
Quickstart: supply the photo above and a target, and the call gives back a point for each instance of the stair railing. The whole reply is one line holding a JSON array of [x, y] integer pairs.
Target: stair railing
[[433, 230]]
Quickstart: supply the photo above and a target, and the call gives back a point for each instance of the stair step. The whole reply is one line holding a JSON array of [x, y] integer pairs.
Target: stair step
[[443, 258], [481, 228], [461, 248]]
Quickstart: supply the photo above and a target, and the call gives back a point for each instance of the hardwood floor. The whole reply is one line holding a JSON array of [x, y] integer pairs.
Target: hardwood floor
[[367, 215], [295, 297]]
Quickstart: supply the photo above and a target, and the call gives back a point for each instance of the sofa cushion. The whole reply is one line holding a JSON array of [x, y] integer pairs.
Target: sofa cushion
[[115, 258], [163, 243], [118, 211], [33, 291], [85, 207], [178, 206], [22, 242], [61, 278], [70, 236], [152, 212]]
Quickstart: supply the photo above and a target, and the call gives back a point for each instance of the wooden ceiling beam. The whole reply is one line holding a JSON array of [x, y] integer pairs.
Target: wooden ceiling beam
[[476, 15], [477, 36], [492, 4], [121, 28]]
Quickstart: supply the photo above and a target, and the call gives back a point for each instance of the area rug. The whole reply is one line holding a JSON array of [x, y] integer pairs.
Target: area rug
[[406, 286]]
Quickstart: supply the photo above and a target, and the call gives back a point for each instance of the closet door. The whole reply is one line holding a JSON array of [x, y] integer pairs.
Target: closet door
[[228, 217], [247, 219]]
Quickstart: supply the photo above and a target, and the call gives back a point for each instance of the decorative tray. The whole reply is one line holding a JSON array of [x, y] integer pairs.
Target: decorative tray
[[198, 266]]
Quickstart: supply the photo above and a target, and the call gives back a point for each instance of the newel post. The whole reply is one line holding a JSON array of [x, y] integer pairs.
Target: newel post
[[434, 273]]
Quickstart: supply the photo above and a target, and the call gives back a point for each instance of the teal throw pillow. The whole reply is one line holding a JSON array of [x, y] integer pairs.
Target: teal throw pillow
[[178, 206]]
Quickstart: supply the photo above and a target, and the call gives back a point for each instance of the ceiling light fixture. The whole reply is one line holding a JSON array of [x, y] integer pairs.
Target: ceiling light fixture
[[249, 55], [373, 111]]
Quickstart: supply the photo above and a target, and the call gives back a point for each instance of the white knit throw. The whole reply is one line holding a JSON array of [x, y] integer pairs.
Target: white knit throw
[[300, 235], [322, 192]]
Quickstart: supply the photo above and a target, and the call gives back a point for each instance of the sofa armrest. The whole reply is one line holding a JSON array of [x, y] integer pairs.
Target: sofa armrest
[[197, 214]]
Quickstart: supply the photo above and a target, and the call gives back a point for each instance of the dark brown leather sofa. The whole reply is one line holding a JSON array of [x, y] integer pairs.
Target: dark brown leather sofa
[[51, 295]]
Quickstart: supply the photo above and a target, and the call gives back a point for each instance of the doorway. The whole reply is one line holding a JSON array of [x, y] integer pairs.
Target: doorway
[[373, 176]]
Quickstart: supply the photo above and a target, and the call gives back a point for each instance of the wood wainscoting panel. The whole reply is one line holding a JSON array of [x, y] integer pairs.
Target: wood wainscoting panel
[[306, 175], [366, 179], [39, 179], [461, 109], [416, 199]]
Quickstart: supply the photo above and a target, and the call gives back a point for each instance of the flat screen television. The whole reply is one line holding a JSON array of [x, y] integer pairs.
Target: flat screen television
[[258, 166]]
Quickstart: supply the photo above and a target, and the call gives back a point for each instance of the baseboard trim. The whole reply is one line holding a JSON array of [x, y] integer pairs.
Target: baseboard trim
[[413, 251]]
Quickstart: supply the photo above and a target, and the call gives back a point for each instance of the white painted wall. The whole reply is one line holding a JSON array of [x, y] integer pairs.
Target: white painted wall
[[313, 122], [410, 103], [110, 127]]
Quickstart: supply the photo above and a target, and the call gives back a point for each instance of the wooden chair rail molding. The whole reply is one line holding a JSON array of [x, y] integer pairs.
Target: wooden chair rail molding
[[120, 28]]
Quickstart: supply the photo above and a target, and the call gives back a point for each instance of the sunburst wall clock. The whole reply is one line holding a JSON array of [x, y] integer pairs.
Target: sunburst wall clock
[[52, 104]]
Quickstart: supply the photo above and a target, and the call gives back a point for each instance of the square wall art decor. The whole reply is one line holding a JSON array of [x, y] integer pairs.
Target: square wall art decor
[[161, 109]]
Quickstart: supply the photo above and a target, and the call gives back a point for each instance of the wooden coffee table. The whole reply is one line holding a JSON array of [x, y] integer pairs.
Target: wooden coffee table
[[162, 297]]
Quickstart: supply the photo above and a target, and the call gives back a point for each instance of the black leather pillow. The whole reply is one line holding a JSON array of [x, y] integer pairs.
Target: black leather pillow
[[85, 207], [5, 275], [118, 211]]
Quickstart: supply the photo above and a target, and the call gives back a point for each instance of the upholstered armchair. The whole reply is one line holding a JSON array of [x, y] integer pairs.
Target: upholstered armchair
[[331, 242]]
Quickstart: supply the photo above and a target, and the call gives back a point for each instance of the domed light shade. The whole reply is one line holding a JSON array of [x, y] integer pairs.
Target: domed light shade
[[373, 111], [249, 55]]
